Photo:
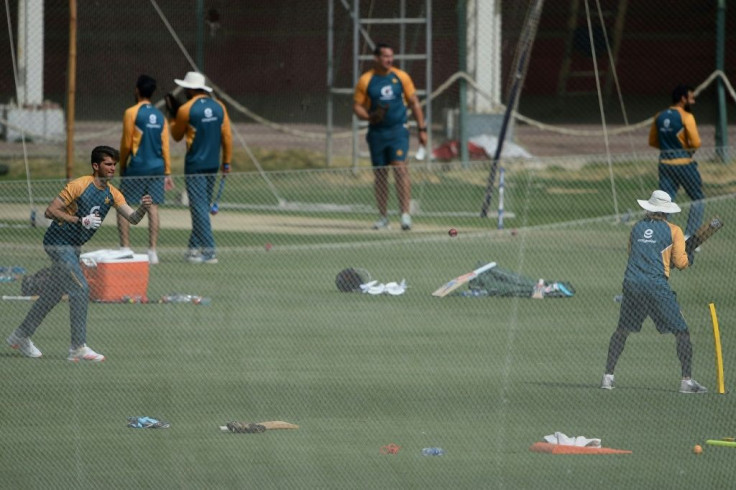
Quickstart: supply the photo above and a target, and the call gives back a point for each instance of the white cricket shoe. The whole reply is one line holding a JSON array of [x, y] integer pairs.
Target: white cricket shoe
[[381, 224], [607, 383], [691, 386], [405, 222], [84, 353], [24, 345], [194, 256], [152, 256]]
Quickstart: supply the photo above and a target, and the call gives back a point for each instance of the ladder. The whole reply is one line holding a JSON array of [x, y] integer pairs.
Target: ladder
[[576, 23], [402, 56]]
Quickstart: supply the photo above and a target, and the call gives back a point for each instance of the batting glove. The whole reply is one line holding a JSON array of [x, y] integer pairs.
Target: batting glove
[[225, 168], [91, 221]]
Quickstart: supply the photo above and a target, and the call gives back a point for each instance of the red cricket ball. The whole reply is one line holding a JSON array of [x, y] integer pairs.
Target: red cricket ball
[[452, 232]]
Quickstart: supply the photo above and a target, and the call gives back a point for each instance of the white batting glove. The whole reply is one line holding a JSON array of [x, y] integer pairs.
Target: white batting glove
[[91, 221]]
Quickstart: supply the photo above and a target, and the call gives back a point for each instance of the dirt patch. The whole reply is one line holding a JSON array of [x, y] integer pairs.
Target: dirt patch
[[179, 219]]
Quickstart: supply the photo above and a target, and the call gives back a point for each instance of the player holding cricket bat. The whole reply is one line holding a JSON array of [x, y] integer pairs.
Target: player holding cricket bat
[[654, 246]]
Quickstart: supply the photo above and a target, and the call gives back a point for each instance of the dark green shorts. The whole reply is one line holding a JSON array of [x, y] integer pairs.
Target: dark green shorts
[[388, 145], [658, 302], [134, 188]]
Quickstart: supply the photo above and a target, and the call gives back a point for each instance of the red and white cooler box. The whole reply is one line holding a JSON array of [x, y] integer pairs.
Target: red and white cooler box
[[115, 274]]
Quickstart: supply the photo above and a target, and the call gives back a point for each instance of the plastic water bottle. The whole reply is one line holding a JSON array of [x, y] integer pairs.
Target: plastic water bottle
[[433, 451], [176, 298], [185, 298]]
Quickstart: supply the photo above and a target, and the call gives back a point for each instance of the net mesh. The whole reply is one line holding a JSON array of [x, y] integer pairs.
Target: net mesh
[[265, 334]]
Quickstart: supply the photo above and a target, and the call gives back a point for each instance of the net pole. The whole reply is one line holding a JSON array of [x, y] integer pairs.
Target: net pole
[[71, 88], [602, 112], [524, 48]]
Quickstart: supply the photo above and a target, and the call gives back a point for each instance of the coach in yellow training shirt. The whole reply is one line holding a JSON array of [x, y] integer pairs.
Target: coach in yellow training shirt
[[381, 98]]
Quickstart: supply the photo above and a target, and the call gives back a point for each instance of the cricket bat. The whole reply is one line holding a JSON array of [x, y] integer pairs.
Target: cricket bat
[[29, 298], [704, 232], [460, 280], [269, 425]]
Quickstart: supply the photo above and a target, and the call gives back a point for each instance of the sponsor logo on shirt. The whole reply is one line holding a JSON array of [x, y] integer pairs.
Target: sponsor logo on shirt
[[387, 93], [152, 122], [647, 238], [209, 116]]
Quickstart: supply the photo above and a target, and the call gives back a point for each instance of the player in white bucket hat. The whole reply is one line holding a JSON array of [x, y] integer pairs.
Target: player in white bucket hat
[[659, 202], [193, 80], [203, 122], [654, 246]]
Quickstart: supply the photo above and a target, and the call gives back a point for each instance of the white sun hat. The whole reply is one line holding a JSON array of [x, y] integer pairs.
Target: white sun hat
[[193, 80], [659, 202]]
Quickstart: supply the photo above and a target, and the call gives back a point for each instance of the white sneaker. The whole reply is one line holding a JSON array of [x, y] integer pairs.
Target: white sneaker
[[381, 224], [607, 383], [84, 353], [194, 256], [691, 386], [24, 345], [209, 259], [405, 222], [152, 256]]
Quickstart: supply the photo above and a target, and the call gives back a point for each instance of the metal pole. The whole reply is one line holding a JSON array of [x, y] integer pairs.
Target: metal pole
[[428, 63], [722, 122], [462, 30], [525, 46], [402, 33], [330, 78], [200, 35], [356, 52]]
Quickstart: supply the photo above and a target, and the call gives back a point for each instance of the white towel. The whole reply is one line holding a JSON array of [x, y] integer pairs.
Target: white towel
[[375, 288], [563, 440]]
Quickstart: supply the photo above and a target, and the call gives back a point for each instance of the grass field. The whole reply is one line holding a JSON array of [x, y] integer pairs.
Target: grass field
[[483, 378]]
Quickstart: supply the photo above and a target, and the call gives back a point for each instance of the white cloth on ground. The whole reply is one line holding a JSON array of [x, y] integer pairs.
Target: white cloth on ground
[[376, 288], [563, 440]]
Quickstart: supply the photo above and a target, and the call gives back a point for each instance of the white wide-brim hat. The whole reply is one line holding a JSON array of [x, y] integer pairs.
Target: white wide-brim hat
[[659, 202], [193, 80]]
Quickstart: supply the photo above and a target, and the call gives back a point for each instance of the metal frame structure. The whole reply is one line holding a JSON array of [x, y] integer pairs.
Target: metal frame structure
[[359, 30]]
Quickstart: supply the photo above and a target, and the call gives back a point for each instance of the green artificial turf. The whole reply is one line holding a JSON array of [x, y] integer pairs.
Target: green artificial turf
[[483, 378]]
